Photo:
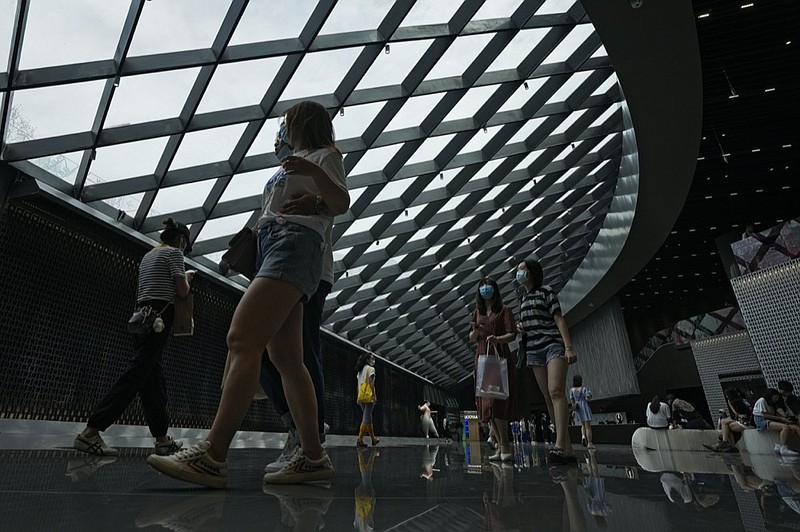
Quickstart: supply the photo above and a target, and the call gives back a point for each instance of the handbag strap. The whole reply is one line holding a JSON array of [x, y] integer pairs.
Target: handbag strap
[[489, 349]]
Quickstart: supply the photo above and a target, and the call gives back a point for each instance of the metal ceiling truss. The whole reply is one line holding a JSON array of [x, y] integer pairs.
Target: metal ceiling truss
[[545, 196]]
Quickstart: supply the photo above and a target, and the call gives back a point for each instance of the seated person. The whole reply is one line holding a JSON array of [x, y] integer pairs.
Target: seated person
[[766, 418], [685, 415], [658, 414], [791, 401], [741, 420]]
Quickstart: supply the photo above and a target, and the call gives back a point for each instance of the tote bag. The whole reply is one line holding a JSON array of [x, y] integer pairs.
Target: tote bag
[[491, 375]]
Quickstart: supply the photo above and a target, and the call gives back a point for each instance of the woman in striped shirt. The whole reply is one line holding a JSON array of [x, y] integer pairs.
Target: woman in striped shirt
[[548, 350]]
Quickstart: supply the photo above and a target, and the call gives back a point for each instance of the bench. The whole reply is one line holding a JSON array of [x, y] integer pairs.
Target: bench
[[755, 442], [673, 440]]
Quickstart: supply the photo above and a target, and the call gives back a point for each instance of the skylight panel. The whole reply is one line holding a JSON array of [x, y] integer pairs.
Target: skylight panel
[[427, 12], [479, 140], [604, 87], [239, 84], [414, 111], [569, 87], [355, 120], [522, 94], [158, 33], [375, 159], [181, 197], [518, 49], [355, 15], [569, 44], [56, 110], [207, 146], [259, 23], [393, 67], [131, 159], [430, 149], [63, 166], [247, 184], [458, 57], [613, 108], [469, 104], [149, 97], [320, 73], [555, 7], [60, 33], [128, 204], [225, 226], [527, 130], [497, 9], [573, 117]]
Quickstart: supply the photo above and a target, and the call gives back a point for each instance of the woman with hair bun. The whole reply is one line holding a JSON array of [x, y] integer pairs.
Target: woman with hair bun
[[162, 276]]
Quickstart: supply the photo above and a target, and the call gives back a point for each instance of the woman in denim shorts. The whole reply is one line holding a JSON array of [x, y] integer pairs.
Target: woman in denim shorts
[[548, 350], [290, 255], [767, 418]]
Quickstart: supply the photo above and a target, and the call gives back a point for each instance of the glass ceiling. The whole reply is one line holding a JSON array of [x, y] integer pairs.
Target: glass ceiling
[[475, 134]]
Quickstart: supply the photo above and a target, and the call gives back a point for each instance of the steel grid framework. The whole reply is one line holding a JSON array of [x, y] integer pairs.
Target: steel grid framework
[[533, 179]]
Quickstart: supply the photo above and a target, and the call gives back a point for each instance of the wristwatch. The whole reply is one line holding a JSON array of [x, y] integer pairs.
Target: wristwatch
[[319, 205]]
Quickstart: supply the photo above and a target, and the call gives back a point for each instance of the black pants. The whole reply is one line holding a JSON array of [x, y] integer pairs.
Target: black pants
[[144, 377], [312, 357]]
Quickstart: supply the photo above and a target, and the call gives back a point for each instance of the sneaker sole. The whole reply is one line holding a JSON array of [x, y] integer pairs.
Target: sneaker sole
[[115, 452], [299, 478], [166, 467]]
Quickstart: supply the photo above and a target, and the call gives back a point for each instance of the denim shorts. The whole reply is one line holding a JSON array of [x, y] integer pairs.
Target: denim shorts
[[291, 253], [543, 358], [761, 423]]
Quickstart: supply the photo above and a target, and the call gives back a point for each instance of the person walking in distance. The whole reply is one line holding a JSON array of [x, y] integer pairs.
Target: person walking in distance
[[426, 418], [366, 397]]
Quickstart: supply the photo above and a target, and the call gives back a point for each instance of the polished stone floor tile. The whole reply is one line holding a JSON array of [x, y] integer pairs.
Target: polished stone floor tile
[[402, 488]]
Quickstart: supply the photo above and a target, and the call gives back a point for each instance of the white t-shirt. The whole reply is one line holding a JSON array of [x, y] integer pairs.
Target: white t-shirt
[[761, 407], [660, 419], [366, 372], [281, 187]]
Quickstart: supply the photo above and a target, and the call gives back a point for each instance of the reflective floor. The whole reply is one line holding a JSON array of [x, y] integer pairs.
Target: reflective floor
[[406, 488]]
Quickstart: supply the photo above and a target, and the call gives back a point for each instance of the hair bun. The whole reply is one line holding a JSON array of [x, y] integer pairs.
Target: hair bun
[[169, 223]]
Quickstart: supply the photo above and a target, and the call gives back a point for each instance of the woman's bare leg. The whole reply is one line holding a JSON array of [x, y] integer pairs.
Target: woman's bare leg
[[286, 353], [262, 311]]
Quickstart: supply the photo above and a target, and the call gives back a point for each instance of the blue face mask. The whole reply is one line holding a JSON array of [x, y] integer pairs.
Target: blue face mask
[[486, 291], [282, 147], [522, 276]]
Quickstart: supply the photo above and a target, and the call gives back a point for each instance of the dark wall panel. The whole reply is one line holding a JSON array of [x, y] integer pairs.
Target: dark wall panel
[[66, 291]]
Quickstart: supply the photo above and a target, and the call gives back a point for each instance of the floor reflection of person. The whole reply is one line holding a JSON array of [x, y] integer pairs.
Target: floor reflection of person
[[365, 493], [595, 488], [428, 461]]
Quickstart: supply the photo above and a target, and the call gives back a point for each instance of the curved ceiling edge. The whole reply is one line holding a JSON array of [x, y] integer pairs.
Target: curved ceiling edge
[[656, 56]]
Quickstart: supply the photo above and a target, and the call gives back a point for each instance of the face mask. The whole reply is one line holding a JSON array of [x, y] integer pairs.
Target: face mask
[[284, 149], [522, 276], [486, 291]]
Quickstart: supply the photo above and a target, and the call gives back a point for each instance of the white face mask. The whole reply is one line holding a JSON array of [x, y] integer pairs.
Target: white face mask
[[522, 276]]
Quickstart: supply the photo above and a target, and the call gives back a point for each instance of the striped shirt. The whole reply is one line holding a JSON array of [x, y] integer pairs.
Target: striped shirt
[[537, 310], [157, 273]]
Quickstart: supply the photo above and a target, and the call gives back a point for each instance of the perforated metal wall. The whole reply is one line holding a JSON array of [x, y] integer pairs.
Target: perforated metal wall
[[604, 353], [719, 356], [770, 303], [66, 291]]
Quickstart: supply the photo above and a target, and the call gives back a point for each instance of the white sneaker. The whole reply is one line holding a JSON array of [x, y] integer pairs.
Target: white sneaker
[[777, 448], [785, 451], [290, 447], [93, 445], [496, 457], [192, 465], [302, 469]]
